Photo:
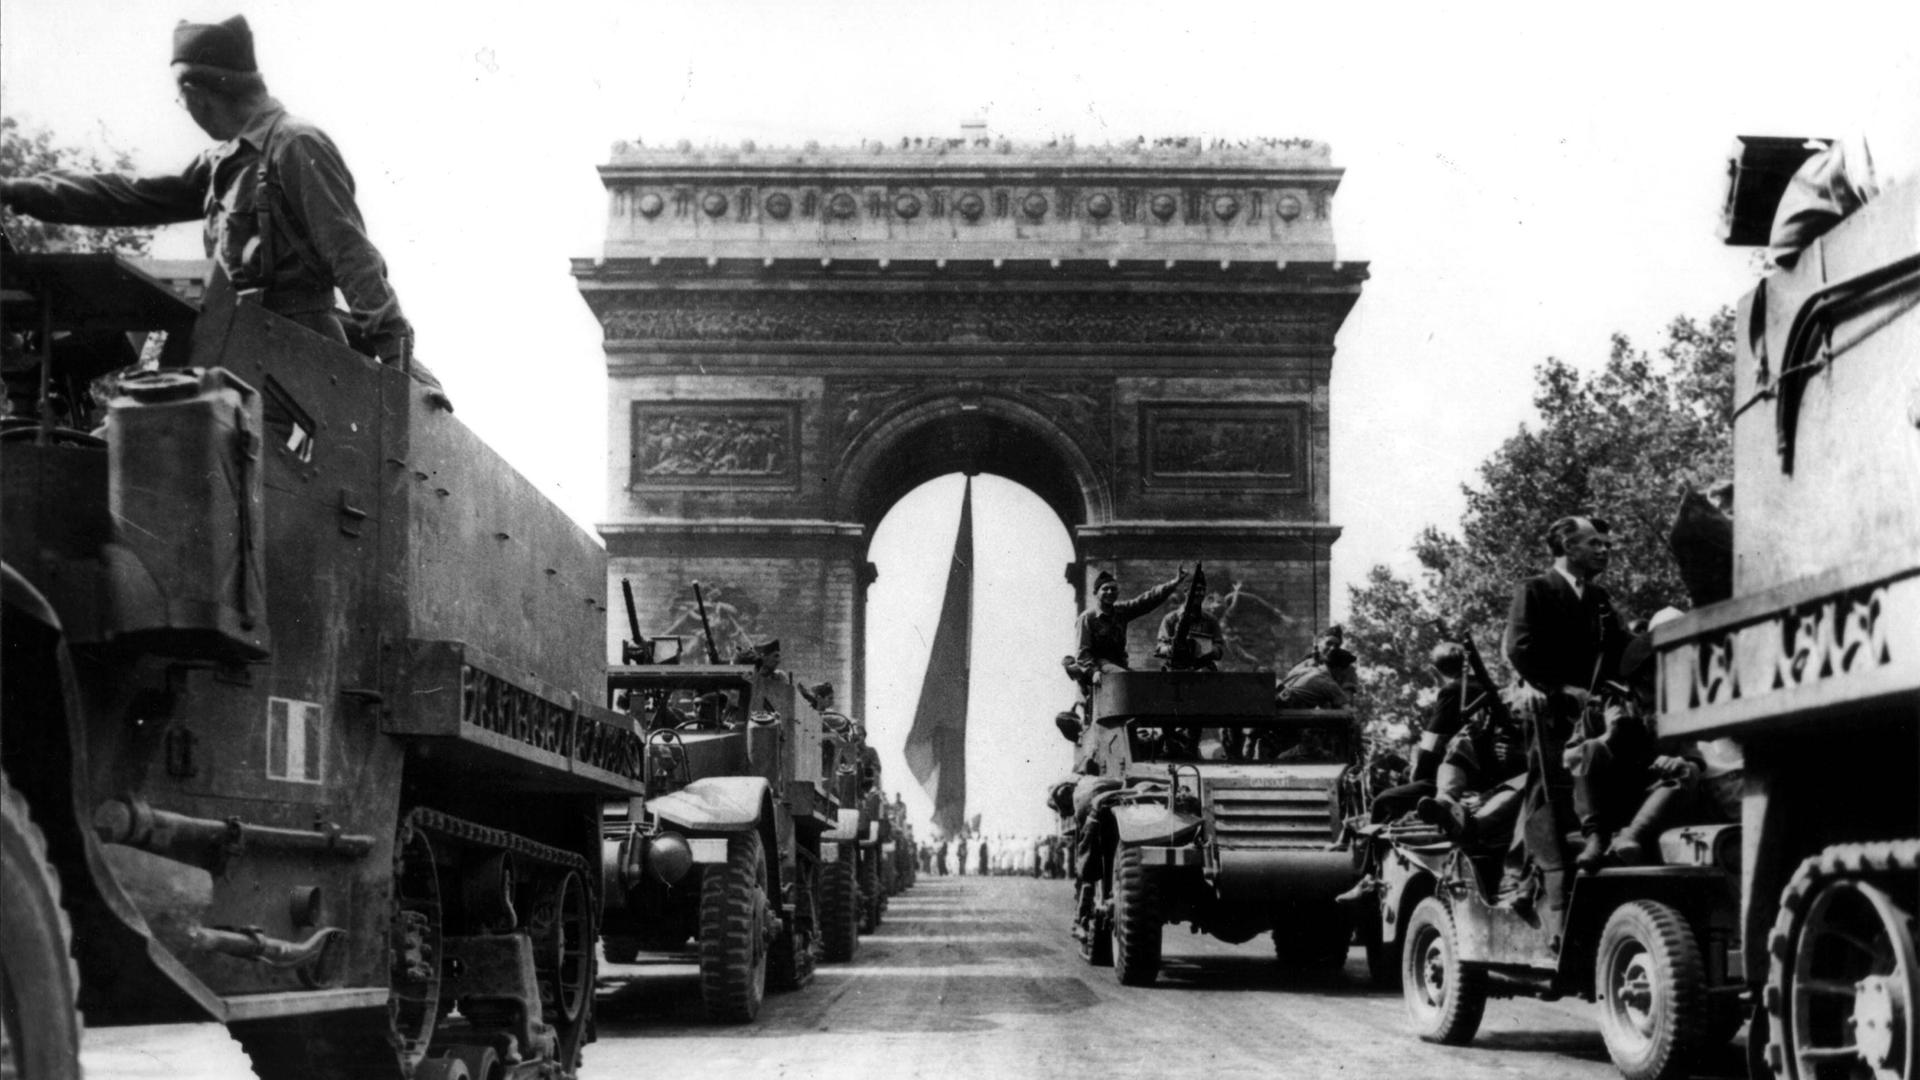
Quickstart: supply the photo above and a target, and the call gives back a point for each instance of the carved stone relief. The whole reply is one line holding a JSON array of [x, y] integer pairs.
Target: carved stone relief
[[1224, 445], [715, 444]]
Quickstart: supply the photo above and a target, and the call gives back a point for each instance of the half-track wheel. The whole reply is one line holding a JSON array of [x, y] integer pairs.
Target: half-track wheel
[[1136, 921], [40, 1031], [363, 1044], [1843, 985], [734, 918]]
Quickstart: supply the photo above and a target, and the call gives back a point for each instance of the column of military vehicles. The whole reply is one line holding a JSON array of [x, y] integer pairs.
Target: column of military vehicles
[[307, 727], [1800, 675]]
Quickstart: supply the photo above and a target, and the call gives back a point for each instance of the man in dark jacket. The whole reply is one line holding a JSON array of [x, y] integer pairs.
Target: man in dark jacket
[[1562, 629], [1562, 635], [282, 225]]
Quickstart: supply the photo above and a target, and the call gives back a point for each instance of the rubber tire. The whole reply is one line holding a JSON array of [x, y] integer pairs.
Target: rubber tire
[[1449, 1014], [38, 977], [1678, 1010], [839, 912], [733, 941], [1137, 921]]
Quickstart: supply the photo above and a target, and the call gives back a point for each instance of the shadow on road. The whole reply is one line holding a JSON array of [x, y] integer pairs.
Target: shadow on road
[[934, 1004], [1257, 972], [1724, 1063]]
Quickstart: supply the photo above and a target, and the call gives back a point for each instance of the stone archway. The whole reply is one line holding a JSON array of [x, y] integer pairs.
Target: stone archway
[[1141, 335]]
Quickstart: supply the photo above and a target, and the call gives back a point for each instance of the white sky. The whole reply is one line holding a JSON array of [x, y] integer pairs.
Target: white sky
[[1524, 179]]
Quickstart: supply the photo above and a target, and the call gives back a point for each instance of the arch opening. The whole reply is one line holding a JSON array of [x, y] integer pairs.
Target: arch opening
[[1024, 609], [977, 433]]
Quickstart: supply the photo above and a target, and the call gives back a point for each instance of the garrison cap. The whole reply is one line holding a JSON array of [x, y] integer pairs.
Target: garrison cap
[[226, 45]]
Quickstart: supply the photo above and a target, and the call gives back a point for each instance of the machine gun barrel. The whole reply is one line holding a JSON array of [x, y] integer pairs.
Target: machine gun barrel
[[706, 628], [633, 615], [1189, 611]]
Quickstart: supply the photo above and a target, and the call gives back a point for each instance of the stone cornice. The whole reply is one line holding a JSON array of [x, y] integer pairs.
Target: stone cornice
[[1065, 319], [983, 156], [1188, 540]]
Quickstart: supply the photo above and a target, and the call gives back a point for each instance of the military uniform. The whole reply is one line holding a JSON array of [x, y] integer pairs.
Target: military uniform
[[278, 204]]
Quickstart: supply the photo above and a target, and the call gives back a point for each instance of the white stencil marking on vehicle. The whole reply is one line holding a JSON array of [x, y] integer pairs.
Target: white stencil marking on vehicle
[[296, 740]]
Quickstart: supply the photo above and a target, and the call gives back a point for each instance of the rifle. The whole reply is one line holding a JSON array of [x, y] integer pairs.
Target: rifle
[[713, 654], [633, 651], [1180, 648], [1489, 699]]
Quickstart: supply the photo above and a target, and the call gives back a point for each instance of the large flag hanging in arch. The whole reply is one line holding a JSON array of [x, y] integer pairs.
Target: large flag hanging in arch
[[936, 748]]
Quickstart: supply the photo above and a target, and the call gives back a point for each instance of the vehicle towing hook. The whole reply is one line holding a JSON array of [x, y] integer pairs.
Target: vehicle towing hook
[[250, 943]]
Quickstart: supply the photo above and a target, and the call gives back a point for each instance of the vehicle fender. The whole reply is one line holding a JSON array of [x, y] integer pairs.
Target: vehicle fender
[[1153, 823], [1702, 894], [715, 804], [1405, 882], [123, 952], [19, 594]]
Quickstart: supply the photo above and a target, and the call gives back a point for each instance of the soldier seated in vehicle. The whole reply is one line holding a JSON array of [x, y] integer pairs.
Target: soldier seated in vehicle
[[1201, 648], [1480, 779], [1624, 791], [1316, 683]]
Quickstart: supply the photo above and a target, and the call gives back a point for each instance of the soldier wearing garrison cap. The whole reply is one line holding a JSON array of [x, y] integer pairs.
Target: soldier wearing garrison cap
[[1102, 629], [282, 226]]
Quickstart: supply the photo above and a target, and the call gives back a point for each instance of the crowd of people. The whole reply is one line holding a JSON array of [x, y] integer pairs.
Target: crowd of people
[[998, 855]]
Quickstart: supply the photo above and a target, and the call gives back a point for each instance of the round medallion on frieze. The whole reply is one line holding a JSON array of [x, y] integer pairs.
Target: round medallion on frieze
[[971, 206], [1034, 206], [907, 206], [779, 205], [714, 203], [1225, 207], [1163, 206], [1099, 206], [841, 206], [1288, 207], [651, 204]]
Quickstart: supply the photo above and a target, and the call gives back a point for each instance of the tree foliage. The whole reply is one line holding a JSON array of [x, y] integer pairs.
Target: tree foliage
[[1622, 443], [28, 153]]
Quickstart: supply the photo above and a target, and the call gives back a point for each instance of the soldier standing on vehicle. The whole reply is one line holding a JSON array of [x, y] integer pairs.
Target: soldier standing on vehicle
[[1102, 628], [282, 226]]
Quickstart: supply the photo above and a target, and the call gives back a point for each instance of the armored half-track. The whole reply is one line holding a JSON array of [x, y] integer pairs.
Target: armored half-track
[[301, 722], [1806, 678], [719, 859], [1200, 802]]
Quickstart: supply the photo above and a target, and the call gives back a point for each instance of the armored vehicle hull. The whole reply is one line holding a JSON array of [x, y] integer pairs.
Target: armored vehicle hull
[[1206, 805], [1808, 677], [720, 860], [276, 648]]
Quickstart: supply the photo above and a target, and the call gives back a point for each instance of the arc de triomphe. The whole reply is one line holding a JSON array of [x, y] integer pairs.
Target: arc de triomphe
[[795, 338]]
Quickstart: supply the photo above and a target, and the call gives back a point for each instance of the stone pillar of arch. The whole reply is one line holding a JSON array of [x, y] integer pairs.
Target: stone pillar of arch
[[1141, 335]]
